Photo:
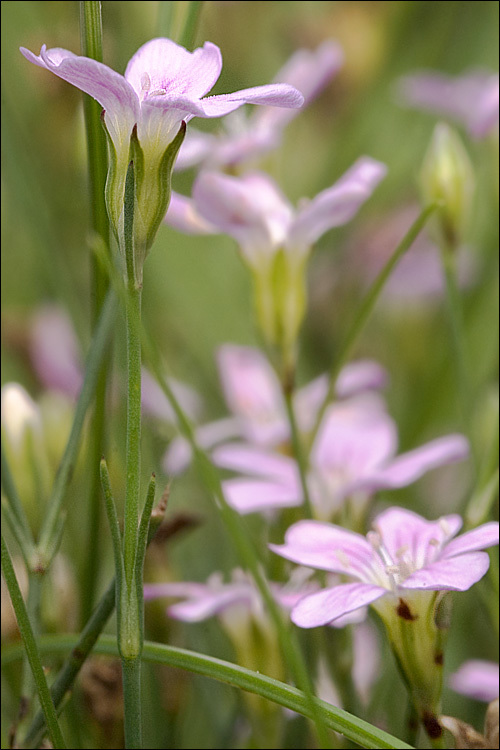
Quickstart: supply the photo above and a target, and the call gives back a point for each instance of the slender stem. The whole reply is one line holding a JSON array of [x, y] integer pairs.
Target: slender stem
[[298, 450], [131, 606], [31, 649], [91, 45], [191, 20], [366, 308], [353, 728], [28, 683], [455, 313], [82, 648], [97, 351], [131, 675], [179, 21]]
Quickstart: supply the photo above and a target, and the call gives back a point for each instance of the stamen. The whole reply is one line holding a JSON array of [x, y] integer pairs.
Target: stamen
[[145, 82]]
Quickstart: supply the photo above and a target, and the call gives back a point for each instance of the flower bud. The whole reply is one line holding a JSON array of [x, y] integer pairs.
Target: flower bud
[[447, 178]]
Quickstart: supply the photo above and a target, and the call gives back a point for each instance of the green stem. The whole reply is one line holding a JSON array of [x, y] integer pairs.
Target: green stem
[[453, 301], [179, 21], [131, 676], [131, 604], [52, 520], [91, 45], [354, 729], [191, 20], [298, 450], [31, 649], [366, 308], [83, 647]]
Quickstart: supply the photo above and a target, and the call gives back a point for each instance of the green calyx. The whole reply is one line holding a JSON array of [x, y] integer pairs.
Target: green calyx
[[280, 303], [152, 185]]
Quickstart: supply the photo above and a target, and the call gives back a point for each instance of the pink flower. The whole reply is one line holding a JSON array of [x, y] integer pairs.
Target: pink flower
[[471, 99], [253, 211], [404, 554], [254, 397], [244, 138], [353, 456], [477, 679], [163, 85]]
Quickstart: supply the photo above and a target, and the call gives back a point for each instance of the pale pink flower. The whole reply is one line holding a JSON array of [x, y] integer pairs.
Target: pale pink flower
[[471, 99], [404, 554]]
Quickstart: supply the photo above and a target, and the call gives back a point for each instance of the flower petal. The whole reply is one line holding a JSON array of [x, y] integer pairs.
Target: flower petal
[[326, 606], [163, 65], [355, 438], [178, 454], [273, 94], [338, 204], [250, 496], [183, 216], [251, 209], [54, 351], [309, 71], [481, 538], [110, 89], [155, 403], [213, 602], [452, 574], [477, 679], [249, 459], [402, 530], [409, 467], [252, 392], [327, 547]]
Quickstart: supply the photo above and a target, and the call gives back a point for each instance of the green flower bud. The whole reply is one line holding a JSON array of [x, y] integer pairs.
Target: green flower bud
[[447, 178]]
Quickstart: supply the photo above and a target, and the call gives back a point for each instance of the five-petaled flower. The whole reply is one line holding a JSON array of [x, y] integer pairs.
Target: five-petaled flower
[[352, 457], [258, 412], [402, 569], [163, 87], [274, 238]]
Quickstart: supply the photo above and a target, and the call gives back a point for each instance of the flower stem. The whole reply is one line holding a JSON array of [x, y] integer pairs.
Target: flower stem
[[131, 676], [130, 607], [91, 45], [353, 728], [298, 449], [365, 309], [30, 645], [455, 313], [82, 648]]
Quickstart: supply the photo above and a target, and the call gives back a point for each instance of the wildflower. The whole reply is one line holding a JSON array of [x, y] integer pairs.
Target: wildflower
[[144, 111], [471, 99], [275, 240], [244, 138], [477, 679], [352, 457], [254, 397], [401, 569]]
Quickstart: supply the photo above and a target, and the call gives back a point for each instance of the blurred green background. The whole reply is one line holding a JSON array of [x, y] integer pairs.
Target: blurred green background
[[197, 291]]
